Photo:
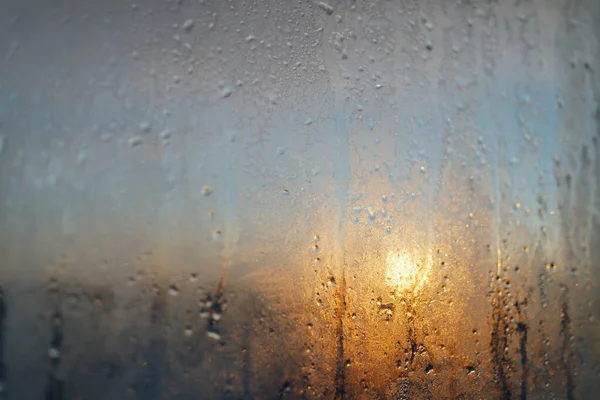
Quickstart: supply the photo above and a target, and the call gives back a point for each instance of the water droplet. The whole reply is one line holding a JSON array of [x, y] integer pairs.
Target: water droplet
[[429, 45], [165, 134], [326, 7], [53, 352], [273, 99], [226, 91], [193, 277], [206, 190], [217, 234], [279, 151], [213, 335], [551, 267], [173, 290], [315, 248], [428, 369], [372, 213], [106, 137], [188, 25], [348, 363], [470, 370], [316, 238], [308, 121], [145, 126], [317, 260], [250, 38], [188, 331], [135, 141]]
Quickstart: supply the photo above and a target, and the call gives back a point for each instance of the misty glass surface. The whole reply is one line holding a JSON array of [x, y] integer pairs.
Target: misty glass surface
[[236, 199]]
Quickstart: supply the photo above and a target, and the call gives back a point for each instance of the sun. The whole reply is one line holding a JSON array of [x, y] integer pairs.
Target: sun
[[404, 274]]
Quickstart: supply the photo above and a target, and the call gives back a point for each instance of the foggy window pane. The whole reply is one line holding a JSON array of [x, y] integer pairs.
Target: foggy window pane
[[359, 199]]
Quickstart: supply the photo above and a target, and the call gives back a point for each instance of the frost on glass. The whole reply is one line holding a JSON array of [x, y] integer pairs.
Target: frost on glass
[[290, 199]]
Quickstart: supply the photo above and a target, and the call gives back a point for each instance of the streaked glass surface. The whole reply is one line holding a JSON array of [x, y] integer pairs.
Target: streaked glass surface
[[295, 199]]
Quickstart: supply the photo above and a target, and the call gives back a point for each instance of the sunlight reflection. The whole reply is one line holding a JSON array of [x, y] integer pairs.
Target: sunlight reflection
[[405, 275]]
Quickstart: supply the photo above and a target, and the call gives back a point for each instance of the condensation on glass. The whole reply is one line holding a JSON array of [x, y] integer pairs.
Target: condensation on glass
[[299, 199]]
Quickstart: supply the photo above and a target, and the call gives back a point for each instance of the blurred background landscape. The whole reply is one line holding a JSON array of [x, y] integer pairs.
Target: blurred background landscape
[[238, 199]]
